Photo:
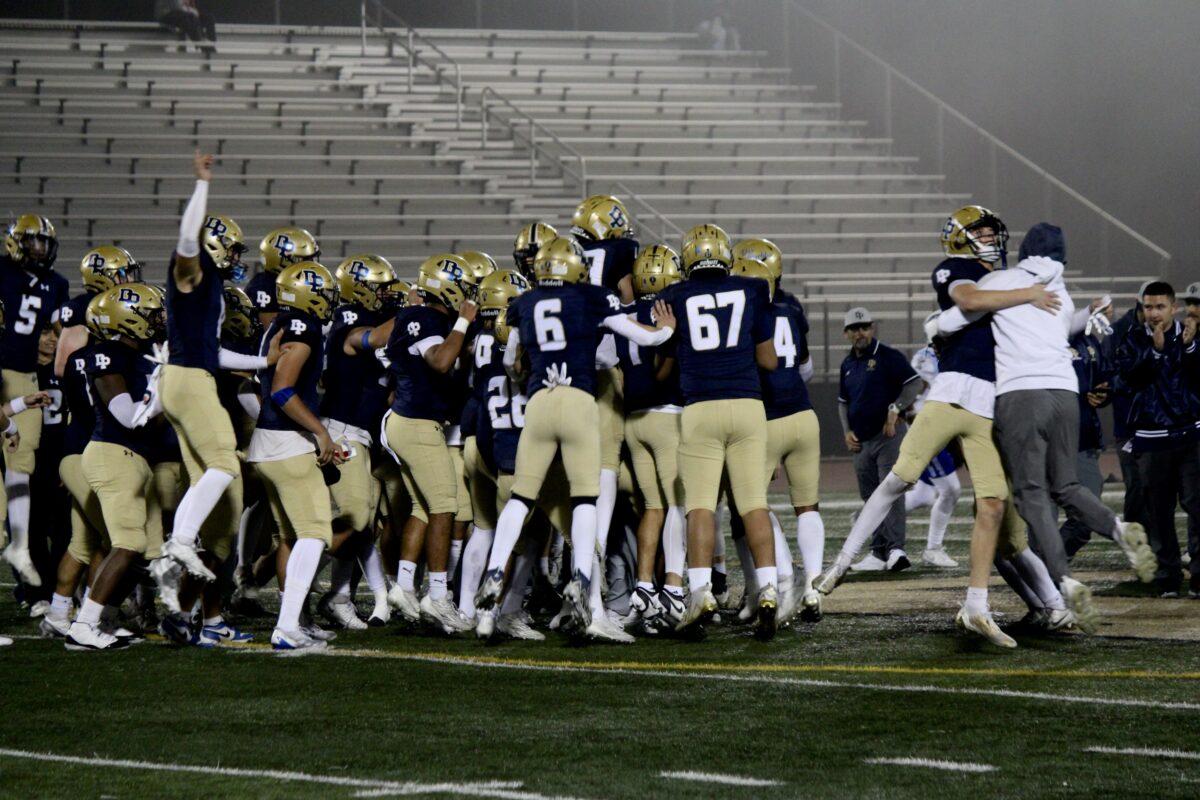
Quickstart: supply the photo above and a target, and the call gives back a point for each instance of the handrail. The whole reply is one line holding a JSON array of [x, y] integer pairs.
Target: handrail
[[414, 56], [654, 212], [531, 137], [945, 108]]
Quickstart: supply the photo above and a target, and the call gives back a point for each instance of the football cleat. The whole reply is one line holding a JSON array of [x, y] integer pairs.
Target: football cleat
[[222, 633], [1133, 543], [39, 609], [701, 605], [810, 606], [405, 602], [340, 611], [20, 560], [295, 641], [443, 614], [643, 601], [176, 628], [485, 624], [869, 563], [985, 626], [603, 629], [166, 573], [516, 627], [673, 608], [314, 631], [897, 561], [381, 614], [720, 587], [489, 590], [1058, 619], [789, 604], [829, 580], [1079, 600], [187, 557], [747, 609], [82, 637], [54, 627], [575, 598], [765, 624], [938, 557]]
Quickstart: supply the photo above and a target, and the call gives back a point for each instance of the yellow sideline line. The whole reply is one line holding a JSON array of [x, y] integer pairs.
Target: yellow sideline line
[[766, 669]]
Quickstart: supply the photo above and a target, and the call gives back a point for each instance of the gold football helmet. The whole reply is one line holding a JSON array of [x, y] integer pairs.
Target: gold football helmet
[[240, 320], [705, 247], [753, 268], [481, 265], [366, 280], [136, 310], [31, 243], [309, 287], [106, 266], [560, 261], [445, 278], [501, 329], [961, 239], [222, 239], [765, 251], [287, 245], [499, 288], [529, 240], [601, 216], [656, 268]]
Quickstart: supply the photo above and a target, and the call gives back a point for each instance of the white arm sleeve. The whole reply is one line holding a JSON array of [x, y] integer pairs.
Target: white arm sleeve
[[1079, 321], [806, 370], [619, 323], [228, 359], [122, 408], [510, 351], [250, 403], [193, 217], [952, 320]]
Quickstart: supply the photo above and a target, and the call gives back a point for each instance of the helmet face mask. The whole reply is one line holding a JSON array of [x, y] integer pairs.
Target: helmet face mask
[[136, 311], [560, 261], [31, 243], [222, 239], [368, 281], [705, 247], [446, 279], [529, 240], [287, 245], [975, 232], [308, 287], [481, 265], [240, 320], [108, 266]]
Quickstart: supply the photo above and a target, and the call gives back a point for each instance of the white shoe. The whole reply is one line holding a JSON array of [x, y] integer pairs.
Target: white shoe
[[897, 560], [22, 562], [828, 580], [701, 604], [869, 563], [1079, 600], [810, 606], [5, 641], [314, 631], [166, 573], [604, 629], [515, 626], [405, 602], [938, 557], [295, 641], [1134, 544], [187, 557], [54, 627], [562, 617], [340, 611], [985, 626], [1058, 619], [747, 610], [766, 623], [82, 637], [789, 604], [485, 624], [575, 597], [381, 614], [39, 609], [443, 614]]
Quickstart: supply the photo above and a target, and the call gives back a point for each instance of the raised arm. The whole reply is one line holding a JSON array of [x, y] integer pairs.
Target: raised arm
[[187, 251]]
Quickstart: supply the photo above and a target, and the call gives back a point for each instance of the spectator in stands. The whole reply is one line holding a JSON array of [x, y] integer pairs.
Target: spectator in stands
[[1158, 363], [718, 32], [186, 17], [877, 385]]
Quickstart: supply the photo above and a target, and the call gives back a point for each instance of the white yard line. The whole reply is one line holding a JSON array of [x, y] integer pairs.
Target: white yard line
[[1149, 752], [949, 766], [712, 777], [505, 790]]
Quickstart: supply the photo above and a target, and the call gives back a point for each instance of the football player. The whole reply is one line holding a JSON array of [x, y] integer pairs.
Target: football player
[[560, 323], [423, 349], [525, 247], [288, 431], [726, 336], [280, 248], [33, 294]]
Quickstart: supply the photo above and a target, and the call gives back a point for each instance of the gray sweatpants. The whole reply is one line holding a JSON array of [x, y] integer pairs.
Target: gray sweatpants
[[871, 465], [1038, 434]]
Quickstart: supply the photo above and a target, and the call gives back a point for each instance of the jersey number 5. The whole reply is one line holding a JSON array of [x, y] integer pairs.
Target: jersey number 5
[[705, 327]]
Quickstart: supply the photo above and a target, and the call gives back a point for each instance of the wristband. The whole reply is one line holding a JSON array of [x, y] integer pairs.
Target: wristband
[[283, 395], [461, 325], [895, 409], [11, 430], [366, 340], [18, 405]]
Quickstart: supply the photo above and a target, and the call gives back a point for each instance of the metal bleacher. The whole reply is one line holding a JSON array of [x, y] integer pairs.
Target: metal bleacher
[[404, 143]]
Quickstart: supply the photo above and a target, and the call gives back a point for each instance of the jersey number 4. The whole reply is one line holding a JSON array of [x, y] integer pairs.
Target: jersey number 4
[[705, 326]]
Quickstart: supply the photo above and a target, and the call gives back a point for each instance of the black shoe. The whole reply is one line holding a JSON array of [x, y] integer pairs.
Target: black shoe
[[1194, 586], [1168, 587]]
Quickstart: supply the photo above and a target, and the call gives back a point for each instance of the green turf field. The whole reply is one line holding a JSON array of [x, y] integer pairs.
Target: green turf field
[[829, 710]]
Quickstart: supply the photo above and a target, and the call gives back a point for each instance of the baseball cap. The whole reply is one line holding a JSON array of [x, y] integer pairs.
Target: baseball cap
[[1192, 292], [857, 316], [1142, 289]]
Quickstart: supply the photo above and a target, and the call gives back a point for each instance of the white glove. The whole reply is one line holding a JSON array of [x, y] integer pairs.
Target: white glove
[[1098, 325], [931, 327]]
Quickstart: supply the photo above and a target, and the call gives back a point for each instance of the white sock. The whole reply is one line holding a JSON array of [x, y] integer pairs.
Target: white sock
[[783, 554], [521, 571], [217, 620], [810, 539], [372, 568], [341, 572], [1012, 576], [89, 612], [1033, 571], [474, 560], [301, 569], [60, 606], [508, 530], [249, 524], [437, 586], [197, 503], [919, 495], [595, 600], [766, 576], [1118, 529], [456, 548], [719, 563], [699, 577], [16, 484], [747, 561], [948, 490], [977, 601], [405, 574], [606, 502], [673, 540], [873, 513], [583, 539]]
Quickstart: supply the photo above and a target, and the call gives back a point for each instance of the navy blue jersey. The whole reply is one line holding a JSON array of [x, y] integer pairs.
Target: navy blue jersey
[[74, 311], [194, 318], [971, 350], [505, 411], [421, 392], [261, 291], [297, 326], [1092, 368], [560, 330], [721, 319], [641, 390], [54, 416], [31, 303], [78, 400], [784, 391], [609, 260], [114, 358], [356, 390]]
